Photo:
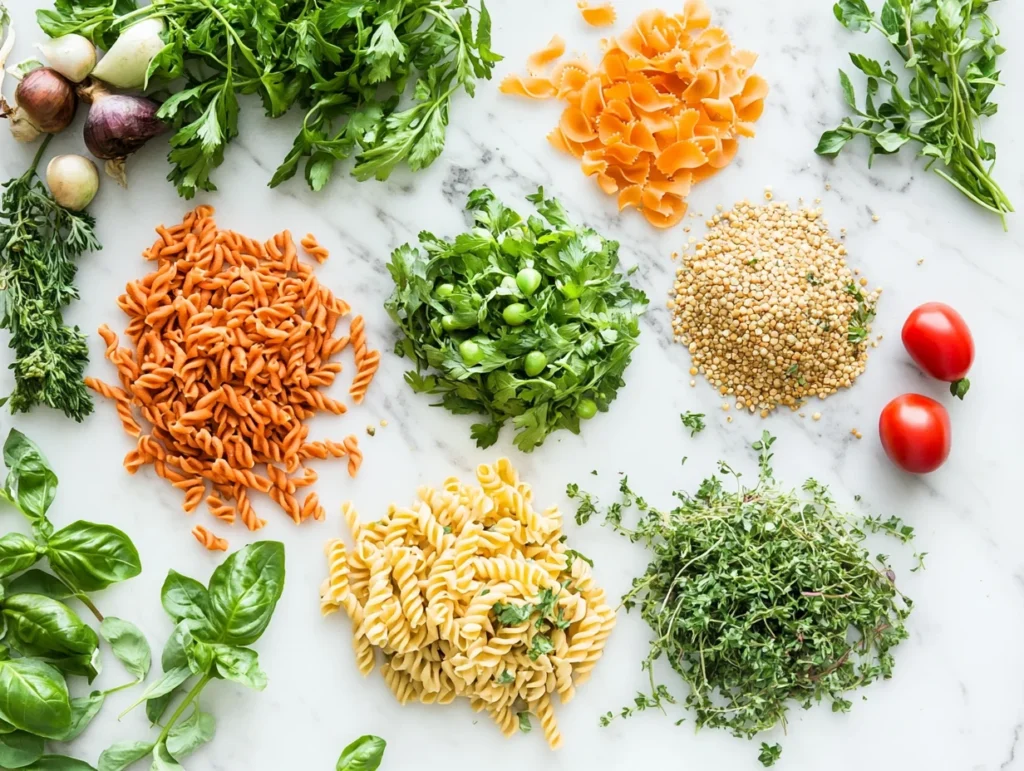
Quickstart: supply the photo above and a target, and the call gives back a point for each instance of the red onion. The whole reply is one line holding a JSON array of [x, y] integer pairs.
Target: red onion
[[118, 125], [46, 104]]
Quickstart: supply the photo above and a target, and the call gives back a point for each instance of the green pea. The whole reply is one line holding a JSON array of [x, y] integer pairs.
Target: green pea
[[515, 314], [444, 291], [528, 281], [471, 352], [586, 409], [536, 361]]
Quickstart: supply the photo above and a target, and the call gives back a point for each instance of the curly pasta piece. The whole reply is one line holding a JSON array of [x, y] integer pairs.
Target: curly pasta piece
[[230, 346], [470, 592], [208, 539], [597, 15]]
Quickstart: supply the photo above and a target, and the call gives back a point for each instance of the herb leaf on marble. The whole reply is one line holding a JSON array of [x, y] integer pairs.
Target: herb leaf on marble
[[949, 50], [518, 319]]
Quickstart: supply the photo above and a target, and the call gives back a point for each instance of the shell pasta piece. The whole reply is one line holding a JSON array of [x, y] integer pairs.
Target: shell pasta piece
[[471, 592], [662, 110]]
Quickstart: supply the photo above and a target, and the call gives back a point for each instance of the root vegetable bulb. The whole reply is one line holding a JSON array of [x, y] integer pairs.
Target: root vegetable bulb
[[118, 125], [46, 104], [73, 181]]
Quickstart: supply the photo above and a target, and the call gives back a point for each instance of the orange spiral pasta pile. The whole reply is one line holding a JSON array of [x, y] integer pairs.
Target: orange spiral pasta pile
[[232, 345], [662, 111]]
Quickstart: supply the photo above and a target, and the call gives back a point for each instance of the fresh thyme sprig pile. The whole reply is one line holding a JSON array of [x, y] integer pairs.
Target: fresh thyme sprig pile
[[950, 49], [40, 243], [752, 593]]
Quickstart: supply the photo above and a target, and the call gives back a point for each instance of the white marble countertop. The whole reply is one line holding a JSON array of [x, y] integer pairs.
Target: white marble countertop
[[957, 698]]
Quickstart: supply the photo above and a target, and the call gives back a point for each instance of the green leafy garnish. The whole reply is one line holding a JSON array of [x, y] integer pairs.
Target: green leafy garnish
[[752, 594], [375, 78], [214, 626], [769, 754], [40, 244], [693, 421], [949, 49], [517, 319], [364, 754]]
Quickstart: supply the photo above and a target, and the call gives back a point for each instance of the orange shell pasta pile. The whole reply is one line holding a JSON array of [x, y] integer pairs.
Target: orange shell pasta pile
[[231, 352], [663, 110]]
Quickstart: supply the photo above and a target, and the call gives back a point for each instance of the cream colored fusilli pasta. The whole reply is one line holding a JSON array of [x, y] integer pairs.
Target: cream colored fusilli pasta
[[471, 592]]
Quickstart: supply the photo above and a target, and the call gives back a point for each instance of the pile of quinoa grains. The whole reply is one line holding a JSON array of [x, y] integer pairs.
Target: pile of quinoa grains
[[769, 309]]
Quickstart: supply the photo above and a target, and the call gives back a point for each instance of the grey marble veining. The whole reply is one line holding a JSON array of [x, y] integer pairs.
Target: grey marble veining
[[956, 701]]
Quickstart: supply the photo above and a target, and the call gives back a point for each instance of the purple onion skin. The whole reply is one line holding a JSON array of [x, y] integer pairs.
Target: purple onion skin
[[47, 99], [118, 125]]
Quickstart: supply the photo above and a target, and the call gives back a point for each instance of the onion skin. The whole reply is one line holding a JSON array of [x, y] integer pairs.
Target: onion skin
[[118, 124], [46, 100]]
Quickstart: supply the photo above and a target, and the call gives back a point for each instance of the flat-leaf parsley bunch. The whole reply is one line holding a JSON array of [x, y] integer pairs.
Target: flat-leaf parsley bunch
[[375, 77], [518, 319], [757, 596]]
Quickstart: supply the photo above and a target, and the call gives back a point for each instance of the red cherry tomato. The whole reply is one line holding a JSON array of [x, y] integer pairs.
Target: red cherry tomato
[[915, 433], [938, 340]]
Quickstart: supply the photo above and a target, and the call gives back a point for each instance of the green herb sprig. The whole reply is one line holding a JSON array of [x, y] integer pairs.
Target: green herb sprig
[[693, 421], [519, 319], [43, 642], [40, 244], [950, 49], [215, 624], [751, 594], [375, 79]]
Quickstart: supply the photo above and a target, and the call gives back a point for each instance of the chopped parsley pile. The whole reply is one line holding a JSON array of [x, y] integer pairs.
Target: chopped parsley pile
[[759, 597], [521, 320]]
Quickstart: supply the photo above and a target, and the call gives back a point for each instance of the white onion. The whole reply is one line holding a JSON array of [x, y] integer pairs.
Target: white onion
[[126, 63], [73, 56], [73, 181]]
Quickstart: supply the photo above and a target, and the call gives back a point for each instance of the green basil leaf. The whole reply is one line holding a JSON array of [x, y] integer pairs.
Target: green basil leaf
[[30, 483], [244, 591], [175, 649], [364, 754], [190, 734], [83, 710], [854, 14], [129, 645], [171, 679], [20, 748], [6, 728], [37, 625], [87, 665], [240, 665], [17, 553], [91, 557], [157, 706], [162, 760], [59, 763], [185, 598], [35, 581], [200, 656], [122, 754], [34, 697]]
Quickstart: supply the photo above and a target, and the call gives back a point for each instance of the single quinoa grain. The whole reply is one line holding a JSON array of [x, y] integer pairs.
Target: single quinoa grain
[[769, 309]]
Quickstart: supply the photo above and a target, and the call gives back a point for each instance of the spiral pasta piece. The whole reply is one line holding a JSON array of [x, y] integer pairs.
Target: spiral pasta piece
[[208, 539], [229, 355], [470, 592]]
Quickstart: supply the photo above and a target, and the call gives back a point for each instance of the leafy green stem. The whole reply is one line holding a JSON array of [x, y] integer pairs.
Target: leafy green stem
[[189, 698]]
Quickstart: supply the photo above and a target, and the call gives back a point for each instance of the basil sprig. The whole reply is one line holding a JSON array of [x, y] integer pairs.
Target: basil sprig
[[214, 625], [43, 641]]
